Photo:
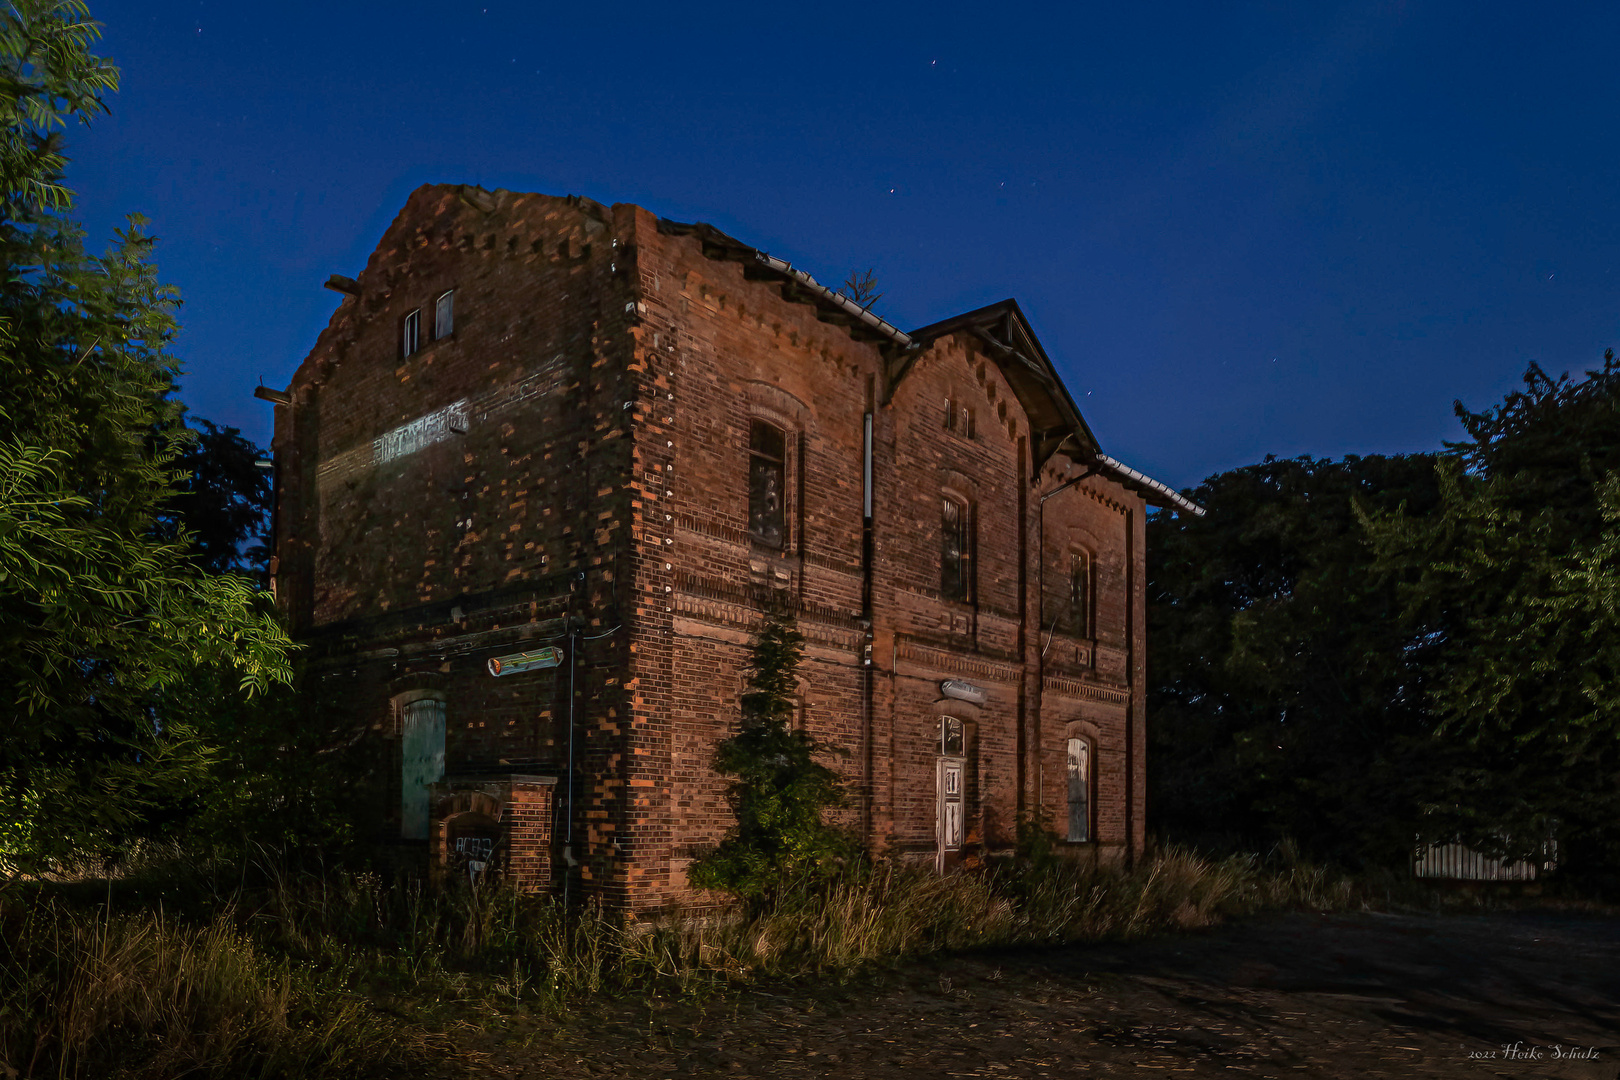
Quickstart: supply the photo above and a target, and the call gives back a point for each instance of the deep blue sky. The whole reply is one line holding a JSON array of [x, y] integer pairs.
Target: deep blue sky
[[1238, 229]]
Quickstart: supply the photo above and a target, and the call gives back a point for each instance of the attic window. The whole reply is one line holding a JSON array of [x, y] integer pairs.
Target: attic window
[[444, 314], [411, 339]]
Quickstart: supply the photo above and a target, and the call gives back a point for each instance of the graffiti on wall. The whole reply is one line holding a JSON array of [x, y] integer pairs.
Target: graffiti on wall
[[474, 852]]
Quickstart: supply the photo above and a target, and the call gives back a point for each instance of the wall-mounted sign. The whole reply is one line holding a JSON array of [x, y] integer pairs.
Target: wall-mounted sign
[[525, 661], [963, 691]]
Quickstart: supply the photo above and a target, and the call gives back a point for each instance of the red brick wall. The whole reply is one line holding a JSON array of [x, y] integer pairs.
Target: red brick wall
[[410, 573], [610, 371], [522, 808]]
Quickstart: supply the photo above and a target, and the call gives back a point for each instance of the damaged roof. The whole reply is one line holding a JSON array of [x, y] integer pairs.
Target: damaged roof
[[1001, 329]]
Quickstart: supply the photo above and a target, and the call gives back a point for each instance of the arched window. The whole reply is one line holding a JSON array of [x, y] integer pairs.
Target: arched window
[[1079, 770], [411, 334], [956, 556], [444, 314], [767, 482], [1079, 594]]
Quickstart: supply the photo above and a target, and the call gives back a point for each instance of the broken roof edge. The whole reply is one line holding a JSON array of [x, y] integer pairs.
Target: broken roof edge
[[1156, 492], [717, 243]]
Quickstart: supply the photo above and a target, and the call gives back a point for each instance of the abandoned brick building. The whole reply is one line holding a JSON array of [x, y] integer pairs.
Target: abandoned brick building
[[537, 474]]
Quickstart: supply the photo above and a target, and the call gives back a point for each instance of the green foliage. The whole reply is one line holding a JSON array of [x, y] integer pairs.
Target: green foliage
[[276, 781], [1512, 586], [1367, 653], [779, 790], [1286, 696], [101, 613], [862, 287], [224, 502]]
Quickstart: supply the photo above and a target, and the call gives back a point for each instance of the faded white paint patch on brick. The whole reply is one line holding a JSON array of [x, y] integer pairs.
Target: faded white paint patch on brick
[[419, 433]]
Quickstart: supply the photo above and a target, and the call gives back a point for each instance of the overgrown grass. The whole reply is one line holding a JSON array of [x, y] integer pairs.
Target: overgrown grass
[[307, 974], [893, 912], [87, 994]]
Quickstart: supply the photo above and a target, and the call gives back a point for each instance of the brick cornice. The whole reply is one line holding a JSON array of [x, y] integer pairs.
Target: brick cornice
[[1060, 686], [944, 660], [720, 604]]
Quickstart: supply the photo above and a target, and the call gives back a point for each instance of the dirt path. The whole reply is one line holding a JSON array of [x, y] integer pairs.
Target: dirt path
[[1290, 996]]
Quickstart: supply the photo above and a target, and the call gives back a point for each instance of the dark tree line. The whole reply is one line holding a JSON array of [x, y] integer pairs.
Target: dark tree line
[[1366, 653], [223, 501]]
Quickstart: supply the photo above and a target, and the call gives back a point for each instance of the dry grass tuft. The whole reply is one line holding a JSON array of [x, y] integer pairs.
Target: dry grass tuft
[[138, 996], [282, 979]]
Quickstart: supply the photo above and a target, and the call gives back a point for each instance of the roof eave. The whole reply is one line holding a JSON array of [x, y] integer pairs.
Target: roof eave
[[1154, 491]]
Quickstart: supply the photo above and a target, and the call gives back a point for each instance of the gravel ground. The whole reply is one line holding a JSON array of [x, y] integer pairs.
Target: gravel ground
[[1364, 995]]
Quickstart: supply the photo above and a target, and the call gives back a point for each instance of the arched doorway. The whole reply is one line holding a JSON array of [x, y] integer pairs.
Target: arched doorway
[[950, 789]]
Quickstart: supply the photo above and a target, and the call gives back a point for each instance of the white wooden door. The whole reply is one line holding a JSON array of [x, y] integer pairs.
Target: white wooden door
[[949, 797]]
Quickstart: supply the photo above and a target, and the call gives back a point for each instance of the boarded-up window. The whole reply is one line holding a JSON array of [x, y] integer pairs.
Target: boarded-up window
[[956, 557], [444, 315], [1079, 769], [767, 501], [422, 763], [411, 338]]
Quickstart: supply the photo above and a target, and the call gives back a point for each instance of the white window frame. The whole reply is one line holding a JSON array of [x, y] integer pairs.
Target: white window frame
[[444, 315], [411, 333]]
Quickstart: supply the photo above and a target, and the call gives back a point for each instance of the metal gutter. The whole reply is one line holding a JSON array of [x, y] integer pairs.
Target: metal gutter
[[1165, 491], [836, 299]]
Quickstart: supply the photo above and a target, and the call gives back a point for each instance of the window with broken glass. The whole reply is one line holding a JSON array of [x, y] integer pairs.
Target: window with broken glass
[[950, 736], [956, 559], [767, 499]]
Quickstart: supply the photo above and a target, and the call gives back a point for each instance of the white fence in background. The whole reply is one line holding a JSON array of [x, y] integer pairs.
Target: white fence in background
[[1459, 863]]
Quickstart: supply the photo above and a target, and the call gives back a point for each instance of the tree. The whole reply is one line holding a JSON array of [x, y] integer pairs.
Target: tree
[[861, 287], [779, 791], [102, 610], [1286, 692], [1513, 582], [224, 502]]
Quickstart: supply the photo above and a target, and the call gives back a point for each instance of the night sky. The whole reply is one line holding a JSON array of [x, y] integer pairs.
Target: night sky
[[1296, 228]]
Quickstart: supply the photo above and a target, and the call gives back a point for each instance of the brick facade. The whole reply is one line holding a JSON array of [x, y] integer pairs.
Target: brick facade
[[570, 467]]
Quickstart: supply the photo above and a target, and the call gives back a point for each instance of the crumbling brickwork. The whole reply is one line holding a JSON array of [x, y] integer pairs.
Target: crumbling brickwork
[[576, 462]]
